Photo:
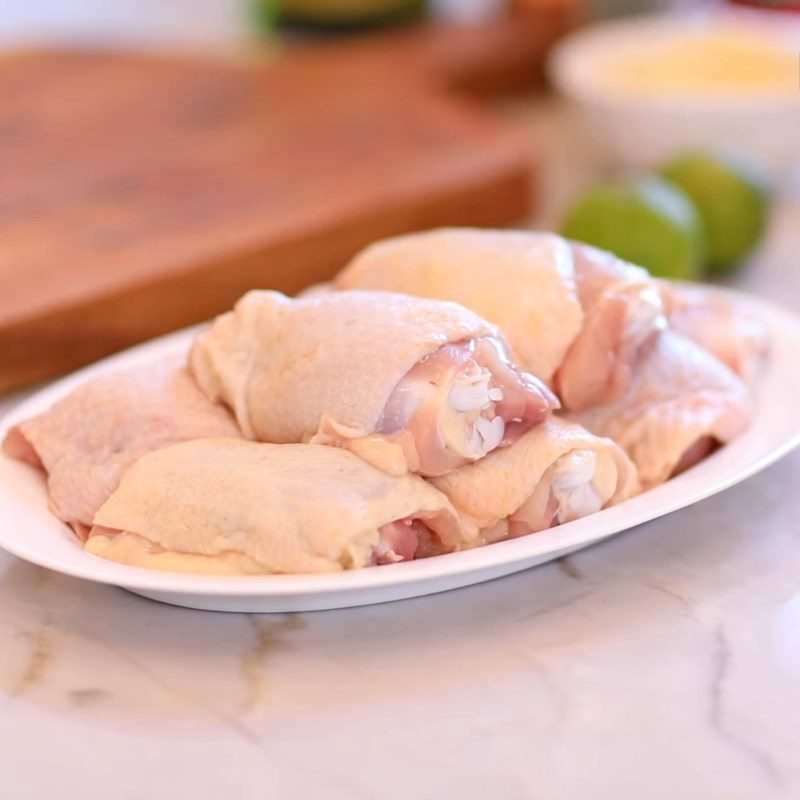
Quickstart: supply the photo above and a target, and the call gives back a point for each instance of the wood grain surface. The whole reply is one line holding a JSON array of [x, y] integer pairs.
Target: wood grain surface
[[139, 194]]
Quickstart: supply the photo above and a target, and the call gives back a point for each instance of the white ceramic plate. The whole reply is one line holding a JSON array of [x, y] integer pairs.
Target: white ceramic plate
[[29, 531]]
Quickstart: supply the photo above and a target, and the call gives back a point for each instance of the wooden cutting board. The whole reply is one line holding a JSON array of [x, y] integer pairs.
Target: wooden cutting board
[[141, 194]]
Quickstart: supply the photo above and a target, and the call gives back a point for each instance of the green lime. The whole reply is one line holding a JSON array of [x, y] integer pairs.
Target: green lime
[[648, 221], [732, 197]]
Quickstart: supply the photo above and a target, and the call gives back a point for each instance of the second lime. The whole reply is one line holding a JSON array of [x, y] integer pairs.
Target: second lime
[[732, 197]]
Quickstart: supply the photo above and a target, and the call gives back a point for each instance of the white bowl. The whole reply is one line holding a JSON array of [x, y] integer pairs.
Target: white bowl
[[28, 530], [637, 127]]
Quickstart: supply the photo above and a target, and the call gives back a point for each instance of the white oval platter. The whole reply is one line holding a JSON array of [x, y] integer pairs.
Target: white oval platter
[[29, 531]]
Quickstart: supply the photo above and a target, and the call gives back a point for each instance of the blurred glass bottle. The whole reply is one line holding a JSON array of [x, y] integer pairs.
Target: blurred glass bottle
[[340, 14]]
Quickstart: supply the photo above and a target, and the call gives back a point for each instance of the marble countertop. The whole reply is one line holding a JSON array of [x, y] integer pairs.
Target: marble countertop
[[661, 664]]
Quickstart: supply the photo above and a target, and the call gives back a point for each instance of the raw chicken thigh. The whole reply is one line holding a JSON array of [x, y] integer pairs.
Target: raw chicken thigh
[[410, 385], [681, 403], [523, 282], [85, 441], [557, 472], [232, 506]]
